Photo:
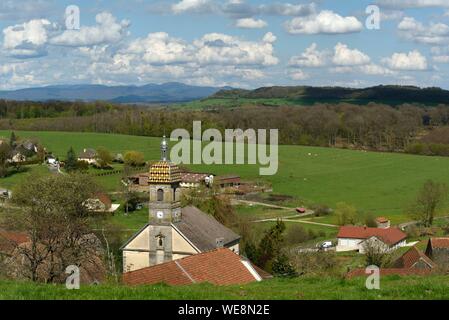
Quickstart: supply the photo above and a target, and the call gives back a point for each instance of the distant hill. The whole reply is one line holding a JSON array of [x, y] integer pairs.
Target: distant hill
[[305, 94], [151, 93]]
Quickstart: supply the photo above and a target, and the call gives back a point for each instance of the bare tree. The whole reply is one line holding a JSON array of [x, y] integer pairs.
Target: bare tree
[[429, 200], [376, 253], [54, 217]]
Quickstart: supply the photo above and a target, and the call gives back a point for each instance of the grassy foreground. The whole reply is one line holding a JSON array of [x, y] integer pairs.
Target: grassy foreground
[[304, 288], [382, 183]]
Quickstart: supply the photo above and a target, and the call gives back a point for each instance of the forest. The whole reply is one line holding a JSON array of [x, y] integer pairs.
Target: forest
[[409, 127]]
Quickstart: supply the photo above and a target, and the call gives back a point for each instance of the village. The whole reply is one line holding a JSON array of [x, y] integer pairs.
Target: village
[[177, 243]]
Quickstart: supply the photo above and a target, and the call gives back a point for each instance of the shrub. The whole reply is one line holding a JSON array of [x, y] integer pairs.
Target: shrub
[[346, 214], [134, 159]]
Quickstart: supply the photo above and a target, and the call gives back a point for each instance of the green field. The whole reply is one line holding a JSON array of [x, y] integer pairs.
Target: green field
[[381, 183], [302, 288]]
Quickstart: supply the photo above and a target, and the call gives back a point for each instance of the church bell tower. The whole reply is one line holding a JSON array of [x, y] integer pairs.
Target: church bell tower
[[165, 206], [165, 192]]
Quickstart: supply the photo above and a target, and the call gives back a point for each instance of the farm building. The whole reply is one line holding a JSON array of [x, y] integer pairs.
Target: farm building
[[382, 222], [414, 259], [228, 181], [101, 203], [438, 250], [353, 238], [218, 267], [140, 182], [194, 180], [88, 155]]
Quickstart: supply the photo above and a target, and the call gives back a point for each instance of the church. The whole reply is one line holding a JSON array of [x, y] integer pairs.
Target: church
[[173, 232]]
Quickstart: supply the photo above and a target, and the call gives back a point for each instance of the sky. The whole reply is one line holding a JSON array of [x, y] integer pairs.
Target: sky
[[239, 43]]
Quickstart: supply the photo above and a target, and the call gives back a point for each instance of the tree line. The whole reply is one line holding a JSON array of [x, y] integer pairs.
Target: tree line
[[374, 126]]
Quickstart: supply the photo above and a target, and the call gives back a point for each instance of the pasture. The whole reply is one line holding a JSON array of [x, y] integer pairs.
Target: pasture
[[380, 183]]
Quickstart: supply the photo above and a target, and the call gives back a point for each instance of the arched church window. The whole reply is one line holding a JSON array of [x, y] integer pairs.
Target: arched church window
[[160, 195]]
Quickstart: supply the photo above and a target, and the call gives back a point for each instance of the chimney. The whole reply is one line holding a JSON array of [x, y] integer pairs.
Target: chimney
[[219, 242]]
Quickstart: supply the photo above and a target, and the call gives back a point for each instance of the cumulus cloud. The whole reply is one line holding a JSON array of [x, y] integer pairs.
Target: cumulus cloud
[[107, 30], [298, 75], [434, 33], [287, 9], [28, 39], [326, 22], [159, 48], [250, 23], [441, 59], [344, 56], [311, 57], [224, 49], [412, 61], [404, 4], [13, 10], [192, 6]]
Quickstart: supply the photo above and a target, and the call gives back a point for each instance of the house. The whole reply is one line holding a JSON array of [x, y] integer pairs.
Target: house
[[101, 203], [414, 259], [9, 240], [438, 250], [138, 182], [228, 181], [18, 157], [88, 155], [354, 238], [92, 266], [5, 194], [29, 146], [382, 222], [51, 160], [218, 267], [194, 180], [173, 231]]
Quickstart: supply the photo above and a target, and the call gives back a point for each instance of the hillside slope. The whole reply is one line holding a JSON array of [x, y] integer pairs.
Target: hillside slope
[[381, 94], [151, 93]]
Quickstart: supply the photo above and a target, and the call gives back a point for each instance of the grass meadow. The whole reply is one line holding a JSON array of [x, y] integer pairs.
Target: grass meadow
[[302, 288], [380, 183]]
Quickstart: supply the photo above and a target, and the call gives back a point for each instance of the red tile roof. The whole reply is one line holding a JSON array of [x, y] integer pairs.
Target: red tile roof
[[104, 198], [382, 220], [411, 257], [189, 177], [389, 272], [390, 236], [219, 267], [441, 243], [10, 239]]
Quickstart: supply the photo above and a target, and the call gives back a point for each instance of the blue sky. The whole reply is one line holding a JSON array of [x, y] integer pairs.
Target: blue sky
[[232, 42]]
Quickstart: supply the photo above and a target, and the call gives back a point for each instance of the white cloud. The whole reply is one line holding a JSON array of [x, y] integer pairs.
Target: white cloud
[[159, 48], [288, 9], [191, 6], [311, 57], [375, 70], [326, 22], [27, 39], [107, 30], [218, 48], [344, 56], [404, 4], [412, 61], [298, 75], [441, 59], [250, 23], [434, 33]]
